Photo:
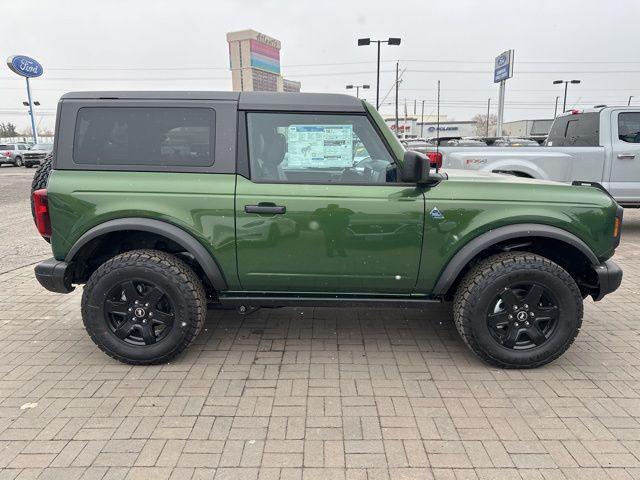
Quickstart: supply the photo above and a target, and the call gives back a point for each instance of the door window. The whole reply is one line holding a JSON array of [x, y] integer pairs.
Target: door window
[[629, 127], [317, 148]]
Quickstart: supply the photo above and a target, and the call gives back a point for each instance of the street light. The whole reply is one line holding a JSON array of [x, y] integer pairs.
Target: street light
[[555, 110], [357, 87], [367, 41], [566, 82]]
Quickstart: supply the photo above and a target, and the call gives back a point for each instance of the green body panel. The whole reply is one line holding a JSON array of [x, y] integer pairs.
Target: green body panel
[[332, 238], [199, 203], [472, 204]]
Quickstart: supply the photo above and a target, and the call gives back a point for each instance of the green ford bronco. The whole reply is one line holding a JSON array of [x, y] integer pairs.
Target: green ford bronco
[[166, 203]]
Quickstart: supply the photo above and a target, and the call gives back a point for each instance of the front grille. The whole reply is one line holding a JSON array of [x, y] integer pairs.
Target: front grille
[[35, 156]]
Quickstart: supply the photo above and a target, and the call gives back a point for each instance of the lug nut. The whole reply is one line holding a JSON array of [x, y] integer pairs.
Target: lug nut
[[517, 324], [510, 317], [526, 306], [532, 314], [151, 314], [515, 307], [130, 309], [136, 302], [146, 305], [144, 321], [526, 323]]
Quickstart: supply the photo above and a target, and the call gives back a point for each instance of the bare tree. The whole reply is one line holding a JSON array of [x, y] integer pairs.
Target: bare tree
[[481, 124]]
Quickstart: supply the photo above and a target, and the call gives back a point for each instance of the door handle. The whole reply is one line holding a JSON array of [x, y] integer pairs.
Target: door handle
[[268, 209], [626, 156]]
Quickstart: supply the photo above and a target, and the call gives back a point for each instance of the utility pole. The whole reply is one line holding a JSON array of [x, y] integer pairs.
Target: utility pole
[[404, 130], [488, 110], [438, 119], [422, 121], [414, 106], [397, 83]]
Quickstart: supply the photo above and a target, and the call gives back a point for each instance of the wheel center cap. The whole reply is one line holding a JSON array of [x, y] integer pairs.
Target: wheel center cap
[[521, 315], [139, 312]]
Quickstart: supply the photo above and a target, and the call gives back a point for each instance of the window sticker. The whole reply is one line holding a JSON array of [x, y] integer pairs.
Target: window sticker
[[319, 146]]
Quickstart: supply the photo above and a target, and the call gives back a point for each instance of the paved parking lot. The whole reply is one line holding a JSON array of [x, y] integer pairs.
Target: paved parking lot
[[307, 393]]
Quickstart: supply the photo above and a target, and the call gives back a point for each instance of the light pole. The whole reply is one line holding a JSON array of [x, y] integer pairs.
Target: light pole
[[555, 110], [566, 83], [629, 102], [357, 87], [368, 41]]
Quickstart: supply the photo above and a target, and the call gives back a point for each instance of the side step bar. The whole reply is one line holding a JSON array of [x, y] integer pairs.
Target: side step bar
[[259, 301]]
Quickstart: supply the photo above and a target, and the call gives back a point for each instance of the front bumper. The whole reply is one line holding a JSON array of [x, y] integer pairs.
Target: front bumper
[[609, 278], [54, 275]]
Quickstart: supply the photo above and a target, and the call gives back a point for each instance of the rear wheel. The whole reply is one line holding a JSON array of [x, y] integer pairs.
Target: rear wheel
[[18, 161], [143, 307], [518, 310]]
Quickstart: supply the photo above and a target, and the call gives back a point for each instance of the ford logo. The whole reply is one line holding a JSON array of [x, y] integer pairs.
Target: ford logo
[[24, 66]]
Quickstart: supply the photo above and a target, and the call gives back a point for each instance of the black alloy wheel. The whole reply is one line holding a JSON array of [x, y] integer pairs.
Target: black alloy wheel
[[139, 312], [523, 316]]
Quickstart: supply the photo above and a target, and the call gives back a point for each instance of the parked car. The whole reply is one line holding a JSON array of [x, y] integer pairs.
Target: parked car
[[156, 238], [466, 142], [514, 142], [36, 154], [600, 145], [13, 153]]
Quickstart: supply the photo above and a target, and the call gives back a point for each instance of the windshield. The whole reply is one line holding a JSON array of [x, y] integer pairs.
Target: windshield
[[42, 146]]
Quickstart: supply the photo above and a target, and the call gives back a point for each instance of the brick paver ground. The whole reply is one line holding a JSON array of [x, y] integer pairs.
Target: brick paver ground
[[317, 394]]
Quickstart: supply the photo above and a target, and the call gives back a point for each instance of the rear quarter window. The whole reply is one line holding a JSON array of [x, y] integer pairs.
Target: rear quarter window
[[144, 136]]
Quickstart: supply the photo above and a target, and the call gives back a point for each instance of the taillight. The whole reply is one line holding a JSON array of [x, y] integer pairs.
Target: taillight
[[435, 159], [6, 154], [41, 212]]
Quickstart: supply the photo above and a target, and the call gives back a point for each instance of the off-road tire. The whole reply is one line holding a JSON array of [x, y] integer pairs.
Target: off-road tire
[[169, 272], [492, 275], [40, 179]]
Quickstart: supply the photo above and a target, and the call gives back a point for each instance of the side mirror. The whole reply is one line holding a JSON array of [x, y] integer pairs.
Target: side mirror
[[415, 168]]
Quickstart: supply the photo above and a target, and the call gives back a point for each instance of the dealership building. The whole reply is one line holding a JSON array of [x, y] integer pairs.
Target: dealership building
[[254, 59], [414, 127], [527, 128]]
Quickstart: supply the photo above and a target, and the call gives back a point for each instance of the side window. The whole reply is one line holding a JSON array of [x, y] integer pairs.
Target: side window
[[11, 147], [579, 130], [629, 127], [144, 136], [22, 147], [316, 148]]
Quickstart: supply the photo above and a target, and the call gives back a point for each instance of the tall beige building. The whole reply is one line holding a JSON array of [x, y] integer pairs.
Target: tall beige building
[[254, 59]]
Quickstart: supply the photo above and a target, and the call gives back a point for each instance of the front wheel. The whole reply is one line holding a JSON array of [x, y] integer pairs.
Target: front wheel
[[18, 161], [518, 310], [143, 307]]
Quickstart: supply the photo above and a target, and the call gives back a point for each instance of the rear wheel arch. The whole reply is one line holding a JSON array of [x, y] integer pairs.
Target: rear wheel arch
[[551, 242], [111, 237]]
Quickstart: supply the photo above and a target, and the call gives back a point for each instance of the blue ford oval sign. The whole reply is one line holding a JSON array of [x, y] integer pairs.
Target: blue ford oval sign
[[24, 66]]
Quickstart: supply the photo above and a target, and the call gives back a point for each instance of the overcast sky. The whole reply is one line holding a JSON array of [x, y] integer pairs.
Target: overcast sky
[[181, 45]]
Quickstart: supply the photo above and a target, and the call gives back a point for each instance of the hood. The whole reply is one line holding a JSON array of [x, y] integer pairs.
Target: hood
[[481, 176], [485, 186]]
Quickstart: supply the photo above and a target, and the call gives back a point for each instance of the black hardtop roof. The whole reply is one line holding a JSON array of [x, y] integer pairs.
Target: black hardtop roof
[[284, 101]]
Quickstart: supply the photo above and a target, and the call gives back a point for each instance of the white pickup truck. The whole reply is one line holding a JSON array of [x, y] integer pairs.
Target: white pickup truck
[[597, 145]]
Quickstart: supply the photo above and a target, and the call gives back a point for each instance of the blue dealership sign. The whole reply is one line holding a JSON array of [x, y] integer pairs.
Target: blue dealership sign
[[25, 66], [504, 66]]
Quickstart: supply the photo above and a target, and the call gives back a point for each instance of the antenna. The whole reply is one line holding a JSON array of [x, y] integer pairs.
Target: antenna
[[438, 127]]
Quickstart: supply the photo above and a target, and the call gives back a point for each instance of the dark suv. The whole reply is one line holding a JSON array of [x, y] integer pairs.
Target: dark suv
[[164, 203]]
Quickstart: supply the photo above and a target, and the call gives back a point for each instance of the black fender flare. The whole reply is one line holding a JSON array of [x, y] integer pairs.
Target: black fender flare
[[164, 229], [486, 240]]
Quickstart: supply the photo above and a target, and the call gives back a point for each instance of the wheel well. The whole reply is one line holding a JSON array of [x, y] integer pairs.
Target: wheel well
[[100, 249], [515, 173], [575, 262]]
